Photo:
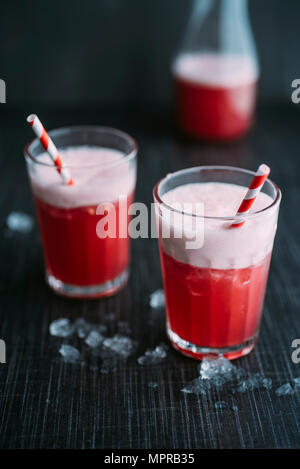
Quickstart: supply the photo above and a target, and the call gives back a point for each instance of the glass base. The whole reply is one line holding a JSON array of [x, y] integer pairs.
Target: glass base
[[197, 352], [94, 291]]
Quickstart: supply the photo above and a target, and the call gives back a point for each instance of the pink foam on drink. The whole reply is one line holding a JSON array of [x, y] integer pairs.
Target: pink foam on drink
[[223, 248], [99, 175], [216, 70]]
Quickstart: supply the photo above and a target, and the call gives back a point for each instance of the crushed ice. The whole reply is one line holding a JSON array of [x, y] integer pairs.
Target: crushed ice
[[106, 349], [297, 383], [256, 381], [284, 390], [94, 339], [82, 327], [197, 386], [61, 328], [212, 367], [119, 344], [70, 354], [19, 222], [153, 357], [289, 389], [217, 371], [157, 299]]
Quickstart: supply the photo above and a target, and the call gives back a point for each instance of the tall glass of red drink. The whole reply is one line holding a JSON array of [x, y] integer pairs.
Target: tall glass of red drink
[[215, 292], [82, 259]]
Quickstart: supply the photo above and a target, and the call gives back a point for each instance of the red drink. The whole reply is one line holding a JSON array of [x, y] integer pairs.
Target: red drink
[[214, 290], [215, 95], [84, 256], [74, 253], [222, 308]]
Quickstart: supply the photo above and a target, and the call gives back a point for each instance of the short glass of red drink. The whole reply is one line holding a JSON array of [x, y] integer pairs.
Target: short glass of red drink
[[82, 260], [215, 292]]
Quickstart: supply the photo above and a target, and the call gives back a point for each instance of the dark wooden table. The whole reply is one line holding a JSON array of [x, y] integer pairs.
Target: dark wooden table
[[45, 403]]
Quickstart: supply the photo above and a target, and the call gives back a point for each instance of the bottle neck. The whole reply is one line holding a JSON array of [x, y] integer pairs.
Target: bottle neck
[[222, 26], [236, 8], [234, 24]]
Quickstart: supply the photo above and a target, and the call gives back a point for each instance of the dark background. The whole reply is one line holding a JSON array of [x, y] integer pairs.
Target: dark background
[[117, 52]]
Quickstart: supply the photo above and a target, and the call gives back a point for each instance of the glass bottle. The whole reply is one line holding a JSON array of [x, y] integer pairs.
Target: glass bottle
[[216, 71]]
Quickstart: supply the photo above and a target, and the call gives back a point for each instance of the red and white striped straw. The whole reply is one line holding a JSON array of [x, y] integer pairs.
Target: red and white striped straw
[[254, 188], [49, 146]]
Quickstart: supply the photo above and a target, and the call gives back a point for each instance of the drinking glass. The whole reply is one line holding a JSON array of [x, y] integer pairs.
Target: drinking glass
[[215, 293], [81, 262]]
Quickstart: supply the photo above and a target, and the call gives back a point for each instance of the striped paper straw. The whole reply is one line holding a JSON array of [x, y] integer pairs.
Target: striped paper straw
[[49, 146], [254, 188]]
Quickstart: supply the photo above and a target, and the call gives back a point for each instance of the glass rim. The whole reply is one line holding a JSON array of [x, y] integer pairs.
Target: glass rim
[[128, 156], [247, 216]]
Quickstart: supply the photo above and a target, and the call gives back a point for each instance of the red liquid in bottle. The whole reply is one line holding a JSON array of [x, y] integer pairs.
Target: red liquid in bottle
[[215, 96]]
